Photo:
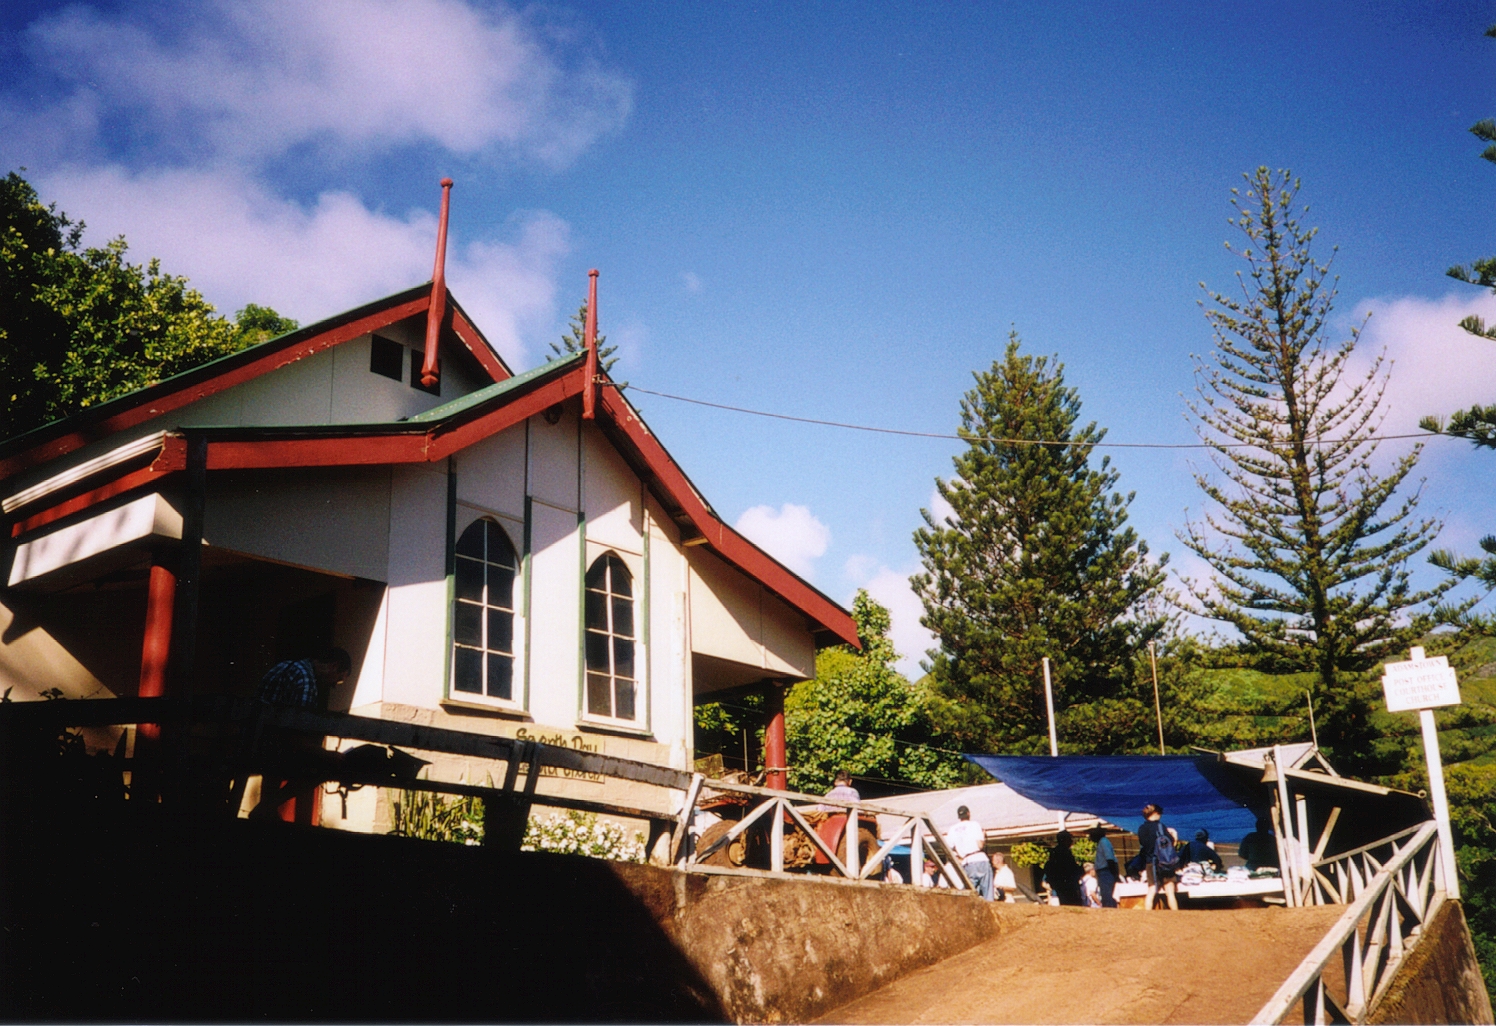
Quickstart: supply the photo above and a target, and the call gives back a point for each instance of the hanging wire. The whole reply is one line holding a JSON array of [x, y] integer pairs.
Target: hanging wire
[[1001, 441]]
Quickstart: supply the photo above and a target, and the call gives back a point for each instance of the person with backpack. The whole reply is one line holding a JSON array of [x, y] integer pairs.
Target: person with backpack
[[1156, 843]]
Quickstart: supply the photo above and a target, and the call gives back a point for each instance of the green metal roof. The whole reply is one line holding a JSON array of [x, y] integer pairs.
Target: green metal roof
[[493, 391]]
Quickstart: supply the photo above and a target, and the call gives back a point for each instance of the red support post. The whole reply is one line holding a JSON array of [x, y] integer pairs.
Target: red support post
[[589, 338], [775, 771], [155, 655], [438, 308]]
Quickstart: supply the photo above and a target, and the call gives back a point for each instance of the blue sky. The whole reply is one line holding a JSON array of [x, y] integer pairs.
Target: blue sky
[[828, 210]]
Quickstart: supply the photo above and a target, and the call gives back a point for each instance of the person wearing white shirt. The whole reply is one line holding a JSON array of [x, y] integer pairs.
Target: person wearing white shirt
[[1002, 878], [968, 840]]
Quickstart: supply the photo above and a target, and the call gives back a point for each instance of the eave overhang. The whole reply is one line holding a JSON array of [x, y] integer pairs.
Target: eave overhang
[[37, 447], [430, 437]]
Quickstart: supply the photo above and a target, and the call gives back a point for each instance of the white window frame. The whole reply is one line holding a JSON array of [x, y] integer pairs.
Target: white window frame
[[633, 563], [513, 527]]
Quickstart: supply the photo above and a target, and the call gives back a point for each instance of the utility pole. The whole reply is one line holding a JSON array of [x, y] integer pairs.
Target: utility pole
[[1157, 707], [1054, 743]]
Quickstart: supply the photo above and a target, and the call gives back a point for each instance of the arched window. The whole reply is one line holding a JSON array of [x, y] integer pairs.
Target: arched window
[[611, 685], [483, 612]]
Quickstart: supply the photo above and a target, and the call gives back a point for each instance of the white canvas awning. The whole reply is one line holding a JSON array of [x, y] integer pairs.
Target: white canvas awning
[[1003, 812]]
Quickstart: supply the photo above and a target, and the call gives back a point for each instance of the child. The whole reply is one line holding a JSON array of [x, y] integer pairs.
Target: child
[[1090, 886]]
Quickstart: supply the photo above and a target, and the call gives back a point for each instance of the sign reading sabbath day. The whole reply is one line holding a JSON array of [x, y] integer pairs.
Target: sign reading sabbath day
[[1420, 684]]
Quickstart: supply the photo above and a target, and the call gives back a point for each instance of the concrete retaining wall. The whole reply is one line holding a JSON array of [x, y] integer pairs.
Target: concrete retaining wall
[[134, 916], [1441, 982]]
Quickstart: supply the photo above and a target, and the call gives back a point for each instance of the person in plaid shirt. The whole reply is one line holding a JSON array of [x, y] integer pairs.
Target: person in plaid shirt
[[304, 683], [299, 684]]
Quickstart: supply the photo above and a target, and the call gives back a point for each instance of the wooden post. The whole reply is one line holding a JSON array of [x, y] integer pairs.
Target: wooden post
[[1436, 793], [1054, 744], [683, 827], [589, 340], [916, 854], [776, 835], [853, 868], [1158, 710], [775, 775], [1282, 826], [155, 653], [1306, 872]]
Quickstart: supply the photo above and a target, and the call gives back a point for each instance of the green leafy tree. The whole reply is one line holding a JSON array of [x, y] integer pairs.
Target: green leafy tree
[[1308, 545], [1477, 424], [79, 327], [574, 341], [863, 716], [1036, 561]]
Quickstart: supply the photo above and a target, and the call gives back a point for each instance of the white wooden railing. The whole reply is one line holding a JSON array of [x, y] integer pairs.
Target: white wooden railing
[[1391, 890], [786, 817]]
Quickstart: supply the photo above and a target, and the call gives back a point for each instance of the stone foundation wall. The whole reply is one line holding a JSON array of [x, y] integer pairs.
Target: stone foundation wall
[[1441, 980]]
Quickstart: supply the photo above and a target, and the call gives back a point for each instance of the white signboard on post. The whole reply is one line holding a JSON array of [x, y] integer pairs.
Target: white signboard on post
[[1420, 684]]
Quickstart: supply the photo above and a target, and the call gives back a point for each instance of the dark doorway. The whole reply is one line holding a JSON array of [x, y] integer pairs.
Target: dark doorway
[[305, 628]]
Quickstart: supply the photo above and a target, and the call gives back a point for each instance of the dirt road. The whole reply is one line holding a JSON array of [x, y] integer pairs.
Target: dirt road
[[1071, 965]]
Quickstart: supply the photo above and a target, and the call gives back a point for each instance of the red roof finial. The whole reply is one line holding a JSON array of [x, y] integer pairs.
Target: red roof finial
[[438, 308], [589, 339]]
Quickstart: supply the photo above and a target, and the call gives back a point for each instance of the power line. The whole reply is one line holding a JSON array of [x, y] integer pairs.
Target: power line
[[1000, 441]]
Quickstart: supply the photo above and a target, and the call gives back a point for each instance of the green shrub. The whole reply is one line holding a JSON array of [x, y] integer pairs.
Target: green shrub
[[432, 817], [1029, 854]]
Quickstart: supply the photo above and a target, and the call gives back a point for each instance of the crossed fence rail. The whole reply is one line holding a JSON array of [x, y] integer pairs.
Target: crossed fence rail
[[1391, 890], [785, 816], [789, 816]]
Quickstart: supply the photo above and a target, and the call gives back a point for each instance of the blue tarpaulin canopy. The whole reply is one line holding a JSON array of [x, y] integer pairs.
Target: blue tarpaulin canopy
[[1195, 791]]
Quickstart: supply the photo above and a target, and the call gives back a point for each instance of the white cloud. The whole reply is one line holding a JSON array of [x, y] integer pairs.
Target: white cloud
[[690, 281], [791, 534], [174, 124], [1436, 366], [910, 638], [244, 81], [940, 509], [240, 243]]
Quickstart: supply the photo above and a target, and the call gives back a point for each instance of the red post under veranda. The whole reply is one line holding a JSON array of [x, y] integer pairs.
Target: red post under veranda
[[155, 654], [589, 339], [775, 770], [437, 311]]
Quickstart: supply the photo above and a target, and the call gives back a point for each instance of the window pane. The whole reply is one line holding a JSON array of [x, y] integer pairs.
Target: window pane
[[621, 585], [467, 624], [471, 542], [623, 617], [467, 671], [599, 695], [596, 577], [500, 550], [625, 710], [597, 611], [501, 587], [597, 652], [469, 579], [500, 676], [623, 657], [500, 631]]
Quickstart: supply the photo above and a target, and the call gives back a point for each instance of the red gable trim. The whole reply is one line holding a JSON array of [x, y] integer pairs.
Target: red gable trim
[[154, 402], [473, 341], [402, 444], [729, 544]]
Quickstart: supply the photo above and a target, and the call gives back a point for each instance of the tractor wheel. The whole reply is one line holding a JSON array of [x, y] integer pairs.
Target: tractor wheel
[[735, 853]]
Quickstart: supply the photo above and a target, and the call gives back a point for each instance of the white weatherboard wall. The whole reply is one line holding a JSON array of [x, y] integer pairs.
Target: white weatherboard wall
[[334, 386], [328, 518], [415, 624], [735, 618], [146, 517]]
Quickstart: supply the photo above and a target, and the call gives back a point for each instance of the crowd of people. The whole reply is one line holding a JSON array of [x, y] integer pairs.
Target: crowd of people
[[1162, 857]]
